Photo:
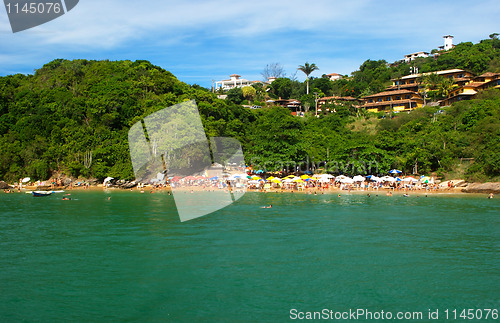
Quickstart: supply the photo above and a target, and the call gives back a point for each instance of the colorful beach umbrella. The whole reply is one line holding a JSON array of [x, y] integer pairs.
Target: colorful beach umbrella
[[395, 171]]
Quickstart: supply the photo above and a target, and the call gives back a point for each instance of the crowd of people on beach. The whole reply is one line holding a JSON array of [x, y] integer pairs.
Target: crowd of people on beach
[[311, 184]]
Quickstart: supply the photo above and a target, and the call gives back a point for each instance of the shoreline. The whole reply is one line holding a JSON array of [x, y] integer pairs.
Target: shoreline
[[310, 191], [469, 188]]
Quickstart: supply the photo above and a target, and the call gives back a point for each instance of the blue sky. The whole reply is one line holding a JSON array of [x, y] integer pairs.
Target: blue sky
[[200, 41]]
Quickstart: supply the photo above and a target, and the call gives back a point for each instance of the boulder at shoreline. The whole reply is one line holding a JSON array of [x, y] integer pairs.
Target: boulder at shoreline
[[482, 188], [4, 186]]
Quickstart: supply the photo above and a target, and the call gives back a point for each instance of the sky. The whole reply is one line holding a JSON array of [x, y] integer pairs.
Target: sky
[[204, 40]]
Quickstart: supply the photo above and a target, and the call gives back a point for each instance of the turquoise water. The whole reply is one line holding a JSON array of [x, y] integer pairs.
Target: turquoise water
[[129, 258]]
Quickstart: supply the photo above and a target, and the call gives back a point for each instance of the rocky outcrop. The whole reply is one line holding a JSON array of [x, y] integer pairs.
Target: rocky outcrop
[[4, 186], [482, 188]]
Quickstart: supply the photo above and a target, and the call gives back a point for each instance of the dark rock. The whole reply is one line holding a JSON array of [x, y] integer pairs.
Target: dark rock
[[4, 186], [128, 185]]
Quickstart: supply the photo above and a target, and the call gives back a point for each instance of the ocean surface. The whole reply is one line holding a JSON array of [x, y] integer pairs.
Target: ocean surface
[[130, 259]]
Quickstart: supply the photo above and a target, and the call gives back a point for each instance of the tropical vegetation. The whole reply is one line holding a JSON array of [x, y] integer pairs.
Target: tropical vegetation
[[72, 118]]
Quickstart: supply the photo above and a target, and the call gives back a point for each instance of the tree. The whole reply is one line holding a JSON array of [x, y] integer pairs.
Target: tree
[[273, 70], [235, 95], [249, 92], [307, 69], [282, 87], [445, 87]]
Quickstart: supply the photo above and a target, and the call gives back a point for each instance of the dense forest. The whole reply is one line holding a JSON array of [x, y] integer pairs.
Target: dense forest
[[72, 118]]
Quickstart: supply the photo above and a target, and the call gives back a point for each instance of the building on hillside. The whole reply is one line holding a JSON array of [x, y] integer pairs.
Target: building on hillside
[[448, 43], [333, 76], [337, 100], [472, 87], [411, 57], [410, 82], [293, 105], [396, 101], [235, 81]]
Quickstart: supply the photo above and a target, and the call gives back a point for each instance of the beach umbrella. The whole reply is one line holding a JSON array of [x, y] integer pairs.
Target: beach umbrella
[[27, 179], [298, 180], [358, 178], [214, 178], [256, 178], [340, 178], [375, 178], [107, 179], [395, 171], [270, 178], [260, 171], [424, 179], [304, 176], [410, 179], [388, 179], [347, 180]]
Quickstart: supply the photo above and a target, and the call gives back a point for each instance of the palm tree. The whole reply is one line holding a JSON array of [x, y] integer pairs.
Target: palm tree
[[445, 87], [308, 69]]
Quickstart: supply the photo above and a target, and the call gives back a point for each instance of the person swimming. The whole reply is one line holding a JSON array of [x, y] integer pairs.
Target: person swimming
[[267, 206], [490, 196]]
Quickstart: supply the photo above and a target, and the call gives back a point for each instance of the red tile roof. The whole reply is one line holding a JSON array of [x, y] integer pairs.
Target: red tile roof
[[394, 103], [387, 93]]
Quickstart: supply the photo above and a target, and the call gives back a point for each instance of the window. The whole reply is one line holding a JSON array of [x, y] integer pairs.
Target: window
[[370, 101], [398, 97], [411, 82], [388, 98], [407, 97], [379, 100]]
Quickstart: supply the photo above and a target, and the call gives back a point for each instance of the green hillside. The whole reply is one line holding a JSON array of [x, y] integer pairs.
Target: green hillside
[[72, 118]]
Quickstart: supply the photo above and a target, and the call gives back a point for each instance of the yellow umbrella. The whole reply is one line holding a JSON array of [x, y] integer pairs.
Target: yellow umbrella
[[298, 180], [276, 180], [304, 176], [256, 178], [270, 178]]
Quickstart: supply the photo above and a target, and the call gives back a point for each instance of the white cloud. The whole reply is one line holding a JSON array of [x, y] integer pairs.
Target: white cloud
[[243, 36]]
